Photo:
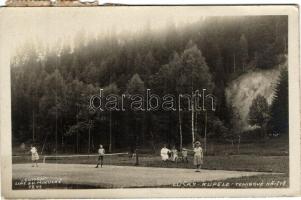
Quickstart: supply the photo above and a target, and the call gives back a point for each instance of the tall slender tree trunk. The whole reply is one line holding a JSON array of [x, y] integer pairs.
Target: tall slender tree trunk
[[238, 144], [62, 139], [264, 131], [62, 127], [110, 136], [33, 127], [170, 129], [89, 136], [56, 131], [62, 134], [153, 141], [56, 114], [192, 120], [205, 136], [77, 141], [92, 142], [77, 134], [180, 128], [196, 124], [44, 144]]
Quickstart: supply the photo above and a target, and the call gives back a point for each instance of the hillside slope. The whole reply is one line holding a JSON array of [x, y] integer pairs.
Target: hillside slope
[[241, 91]]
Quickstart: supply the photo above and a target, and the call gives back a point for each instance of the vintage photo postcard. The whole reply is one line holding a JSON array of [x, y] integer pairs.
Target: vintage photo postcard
[[150, 101]]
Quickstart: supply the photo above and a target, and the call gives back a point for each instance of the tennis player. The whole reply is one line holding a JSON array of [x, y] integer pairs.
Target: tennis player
[[101, 153], [34, 155]]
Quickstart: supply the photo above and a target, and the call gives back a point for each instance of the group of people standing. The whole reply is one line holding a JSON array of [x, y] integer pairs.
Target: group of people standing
[[172, 155], [167, 154]]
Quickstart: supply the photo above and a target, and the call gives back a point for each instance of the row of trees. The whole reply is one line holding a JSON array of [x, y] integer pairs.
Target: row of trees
[[51, 87]]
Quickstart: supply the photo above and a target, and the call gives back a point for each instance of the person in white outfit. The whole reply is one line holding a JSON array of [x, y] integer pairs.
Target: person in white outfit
[[164, 153], [34, 156], [198, 156]]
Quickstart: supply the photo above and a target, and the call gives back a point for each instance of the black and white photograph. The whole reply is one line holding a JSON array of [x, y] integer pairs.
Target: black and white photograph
[[151, 97]]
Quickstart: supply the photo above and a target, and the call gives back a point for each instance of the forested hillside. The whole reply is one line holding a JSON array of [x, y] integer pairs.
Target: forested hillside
[[51, 86]]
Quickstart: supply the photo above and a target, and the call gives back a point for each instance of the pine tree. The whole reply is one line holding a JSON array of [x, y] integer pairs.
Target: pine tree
[[259, 113], [135, 85], [279, 107]]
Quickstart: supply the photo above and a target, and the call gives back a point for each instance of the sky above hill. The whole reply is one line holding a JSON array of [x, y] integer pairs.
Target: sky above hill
[[52, 24]]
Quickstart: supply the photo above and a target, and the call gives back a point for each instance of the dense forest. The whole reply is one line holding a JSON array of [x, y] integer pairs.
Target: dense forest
[[51, 86]]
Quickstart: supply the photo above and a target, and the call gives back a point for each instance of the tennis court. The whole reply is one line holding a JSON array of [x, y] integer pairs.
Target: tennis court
[[111, 176]]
